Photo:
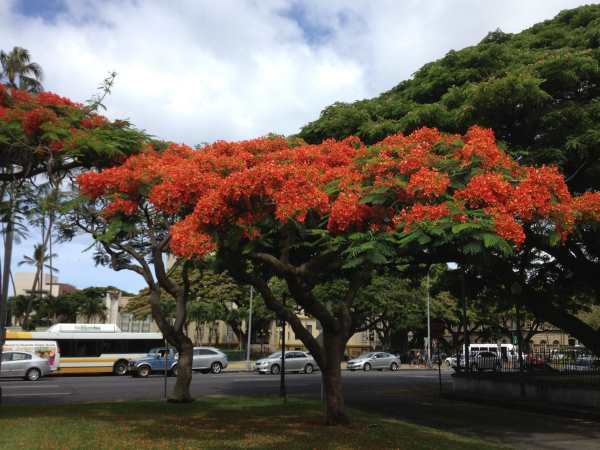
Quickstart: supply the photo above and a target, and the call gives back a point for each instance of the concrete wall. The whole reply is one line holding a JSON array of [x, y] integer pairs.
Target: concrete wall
[[579, 396]]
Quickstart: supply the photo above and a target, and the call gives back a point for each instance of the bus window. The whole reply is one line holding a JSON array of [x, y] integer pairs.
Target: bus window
[[114, 346], [79, 348]]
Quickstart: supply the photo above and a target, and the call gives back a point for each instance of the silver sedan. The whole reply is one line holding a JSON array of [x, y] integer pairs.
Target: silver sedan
[[209, 359], [295, 361], [374, 360], [24, 365]]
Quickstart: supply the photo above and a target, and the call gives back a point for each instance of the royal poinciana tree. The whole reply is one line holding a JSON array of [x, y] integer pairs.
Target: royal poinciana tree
[[310, 213], [132, 234], [45, 138]]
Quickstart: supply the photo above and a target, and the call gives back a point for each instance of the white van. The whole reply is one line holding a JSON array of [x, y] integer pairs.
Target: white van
[[506, 351], [45, 349]]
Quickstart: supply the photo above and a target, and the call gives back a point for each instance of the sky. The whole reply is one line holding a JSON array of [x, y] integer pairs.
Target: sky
[[195, 71]]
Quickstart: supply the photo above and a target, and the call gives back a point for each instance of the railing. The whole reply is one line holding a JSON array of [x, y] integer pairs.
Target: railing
[[549, 365]]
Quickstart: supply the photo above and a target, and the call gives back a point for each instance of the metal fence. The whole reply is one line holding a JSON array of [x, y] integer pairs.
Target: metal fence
[[551, 365]]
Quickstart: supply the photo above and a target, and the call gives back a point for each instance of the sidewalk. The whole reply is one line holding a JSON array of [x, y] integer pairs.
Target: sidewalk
[[239, 366], [242, 366]]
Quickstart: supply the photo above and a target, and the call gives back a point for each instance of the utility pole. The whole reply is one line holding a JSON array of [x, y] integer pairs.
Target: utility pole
[[282, 391], [428, 321], [249, 330], [466, 322], [166, 369]]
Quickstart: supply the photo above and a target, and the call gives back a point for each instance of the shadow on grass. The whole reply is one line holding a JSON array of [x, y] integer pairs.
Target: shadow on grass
[[211, 423]]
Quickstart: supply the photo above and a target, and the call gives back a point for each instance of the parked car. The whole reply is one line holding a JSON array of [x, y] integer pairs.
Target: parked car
[[374, 360], [587, 362], [295, 361], [485, 361], [154, 362], [24, 365], [533, 361], [209, 359]]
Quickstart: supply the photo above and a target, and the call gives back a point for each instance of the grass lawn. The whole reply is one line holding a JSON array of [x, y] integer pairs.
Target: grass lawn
[[211, 423]]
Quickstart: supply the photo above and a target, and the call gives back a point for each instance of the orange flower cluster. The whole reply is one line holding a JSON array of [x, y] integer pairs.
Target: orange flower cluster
[[507, 227], [33, 120], [587, 206], [93, 121], [480, 148], [421, 213], [427, 183], [393, 187], [120, 205], [491, 189], [42, 117], [347, 212]]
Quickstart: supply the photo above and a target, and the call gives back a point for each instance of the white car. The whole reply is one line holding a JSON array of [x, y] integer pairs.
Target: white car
[[209, 359], [374, 360], [24, 365], [295, 361]]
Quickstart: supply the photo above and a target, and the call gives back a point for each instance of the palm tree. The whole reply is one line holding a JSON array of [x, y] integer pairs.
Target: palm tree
[[39, 260], [18, 72], [92, 307]]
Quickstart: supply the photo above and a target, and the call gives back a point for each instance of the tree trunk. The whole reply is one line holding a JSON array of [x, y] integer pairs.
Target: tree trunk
[[8, 247], [181, 391], [334, 345], [184, 346], [560, 318]]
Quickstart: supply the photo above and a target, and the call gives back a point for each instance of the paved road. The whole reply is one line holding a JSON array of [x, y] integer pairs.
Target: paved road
[[410, 395]]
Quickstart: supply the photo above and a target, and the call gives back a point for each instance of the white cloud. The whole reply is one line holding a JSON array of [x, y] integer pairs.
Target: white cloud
[[195, 71]]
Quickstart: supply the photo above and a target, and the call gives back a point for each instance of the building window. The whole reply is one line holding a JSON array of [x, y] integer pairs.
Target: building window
[[556, 342]]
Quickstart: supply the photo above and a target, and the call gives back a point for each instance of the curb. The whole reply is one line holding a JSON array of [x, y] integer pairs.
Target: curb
[[420, 369]]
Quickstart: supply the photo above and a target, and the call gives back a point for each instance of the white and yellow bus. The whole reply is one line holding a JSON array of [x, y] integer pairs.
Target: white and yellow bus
[[90, 348]]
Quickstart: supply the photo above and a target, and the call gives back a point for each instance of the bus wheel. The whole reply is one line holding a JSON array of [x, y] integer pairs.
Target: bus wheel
[[33, 375], [120, 368]]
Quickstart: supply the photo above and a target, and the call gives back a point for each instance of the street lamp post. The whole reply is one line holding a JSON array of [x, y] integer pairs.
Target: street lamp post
[[3, 317], [428, 321], [282, 391], [166, 369], [249, 330], [465, 322]]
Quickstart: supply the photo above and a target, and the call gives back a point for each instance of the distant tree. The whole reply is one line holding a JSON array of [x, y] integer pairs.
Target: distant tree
[[214, 297], [393, 307], [19, 72], [91, 303]]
